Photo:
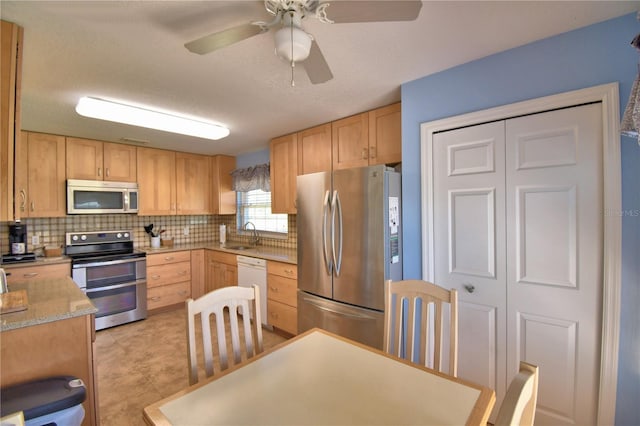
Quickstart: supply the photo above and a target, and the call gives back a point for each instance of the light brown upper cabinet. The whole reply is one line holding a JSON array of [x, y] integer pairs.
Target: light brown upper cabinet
[[314, 150], [193, 184], [385, 135], [156, 181], [367, 139], [97, 160], [350, 141], [10, 76], [40, 176], [223, 198], [283, 153]]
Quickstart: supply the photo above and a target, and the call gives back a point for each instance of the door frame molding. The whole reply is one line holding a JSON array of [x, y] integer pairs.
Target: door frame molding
[[612, 200]]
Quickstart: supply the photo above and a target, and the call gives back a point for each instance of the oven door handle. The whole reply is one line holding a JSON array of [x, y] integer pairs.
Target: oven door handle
[[109, 262], [113, 287]]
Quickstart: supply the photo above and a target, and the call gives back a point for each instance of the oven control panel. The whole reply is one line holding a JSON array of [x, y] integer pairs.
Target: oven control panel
[[97, 237]]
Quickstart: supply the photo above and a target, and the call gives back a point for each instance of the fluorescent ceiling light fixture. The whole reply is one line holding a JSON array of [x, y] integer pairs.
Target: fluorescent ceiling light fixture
[[136, 116]]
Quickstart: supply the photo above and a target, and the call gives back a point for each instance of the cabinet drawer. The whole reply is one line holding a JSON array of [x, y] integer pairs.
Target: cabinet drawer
[[158, 297], [286, 270], [43, 272], [168, 274], [282, 290], [282, 316], [222, 257], [171, 257]]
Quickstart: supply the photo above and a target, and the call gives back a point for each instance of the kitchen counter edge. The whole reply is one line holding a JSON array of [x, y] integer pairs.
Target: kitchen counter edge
[[264, 252], [48, 300]]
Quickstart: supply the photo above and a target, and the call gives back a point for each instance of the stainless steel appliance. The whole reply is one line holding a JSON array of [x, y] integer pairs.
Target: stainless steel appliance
[[106, 267], [100, 197], [18, 248], [349, 243]]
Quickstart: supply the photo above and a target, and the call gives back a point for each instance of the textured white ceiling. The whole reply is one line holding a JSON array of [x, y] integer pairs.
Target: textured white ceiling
[[134, 51]]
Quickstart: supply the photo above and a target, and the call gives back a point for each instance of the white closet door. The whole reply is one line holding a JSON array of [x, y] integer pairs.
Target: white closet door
[[554, 267], [518, 230], [469, 235]]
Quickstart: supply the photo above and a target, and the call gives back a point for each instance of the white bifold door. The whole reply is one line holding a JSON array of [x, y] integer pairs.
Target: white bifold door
[[518, 230]]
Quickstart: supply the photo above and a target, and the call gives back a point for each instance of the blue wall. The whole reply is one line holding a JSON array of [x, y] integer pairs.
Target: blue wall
[[586, 57], [252, 159]]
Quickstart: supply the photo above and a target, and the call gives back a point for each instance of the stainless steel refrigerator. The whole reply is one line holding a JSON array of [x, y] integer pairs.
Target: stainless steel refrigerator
[[349, 243]]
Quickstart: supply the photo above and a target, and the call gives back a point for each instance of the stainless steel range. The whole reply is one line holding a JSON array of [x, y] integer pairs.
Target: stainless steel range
[[113, 275]]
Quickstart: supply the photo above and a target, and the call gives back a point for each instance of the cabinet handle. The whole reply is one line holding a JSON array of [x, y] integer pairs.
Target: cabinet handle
[[274, 289], [23, 194], [182, 293], [288, 271], [168, 258], [155, 298], [182, 273], [106, 171], [30, 275], [33, 206], [372, 152], [99, 171], [274, 315], [155, 277], [364, 153]]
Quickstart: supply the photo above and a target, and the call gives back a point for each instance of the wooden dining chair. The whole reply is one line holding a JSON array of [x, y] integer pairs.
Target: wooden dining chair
[[519, 404], [223, 304], [407, 323]]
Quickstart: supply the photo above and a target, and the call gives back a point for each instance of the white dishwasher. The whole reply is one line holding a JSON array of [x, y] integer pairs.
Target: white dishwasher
[[252, 270]]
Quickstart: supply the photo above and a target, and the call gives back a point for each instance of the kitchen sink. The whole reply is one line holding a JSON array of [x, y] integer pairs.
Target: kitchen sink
[[240, 247]]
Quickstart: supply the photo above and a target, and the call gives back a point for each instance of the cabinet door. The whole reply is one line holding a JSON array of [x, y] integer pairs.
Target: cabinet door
[[156, 181], [198, 270], [223, 199], [11, 63], [284, 170], [84, 159], [385, 135], [314, 150], [119, 162], [193, 186], [44, 174], [350, 142]]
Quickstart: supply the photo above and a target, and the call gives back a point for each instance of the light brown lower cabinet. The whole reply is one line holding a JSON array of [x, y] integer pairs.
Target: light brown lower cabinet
[[221, 270], [168, 279], [282, 303], [40, 272]]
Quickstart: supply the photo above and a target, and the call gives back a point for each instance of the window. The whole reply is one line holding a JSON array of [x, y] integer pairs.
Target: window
[[255, 207]]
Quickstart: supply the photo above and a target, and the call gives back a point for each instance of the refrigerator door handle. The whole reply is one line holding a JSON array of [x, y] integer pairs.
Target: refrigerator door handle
[[322, 307], [325, 213], [336, 207]]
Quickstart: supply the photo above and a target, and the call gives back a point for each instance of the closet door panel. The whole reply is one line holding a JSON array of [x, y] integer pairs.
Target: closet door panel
[[554, 269], [470, 247]]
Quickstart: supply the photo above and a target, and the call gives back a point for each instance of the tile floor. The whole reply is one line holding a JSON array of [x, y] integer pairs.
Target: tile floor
[[143, 362]]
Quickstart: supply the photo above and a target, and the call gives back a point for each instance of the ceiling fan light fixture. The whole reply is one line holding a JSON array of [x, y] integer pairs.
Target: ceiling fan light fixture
[[142, 117], [292, 44]]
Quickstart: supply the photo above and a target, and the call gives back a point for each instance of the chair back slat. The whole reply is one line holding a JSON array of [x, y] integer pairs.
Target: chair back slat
[[223, 307], [415, 322]]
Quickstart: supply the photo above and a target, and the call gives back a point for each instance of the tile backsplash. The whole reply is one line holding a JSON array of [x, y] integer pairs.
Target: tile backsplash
[[201, 229]]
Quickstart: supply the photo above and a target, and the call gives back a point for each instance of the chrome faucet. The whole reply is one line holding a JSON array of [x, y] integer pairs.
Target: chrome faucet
[[255, 239]]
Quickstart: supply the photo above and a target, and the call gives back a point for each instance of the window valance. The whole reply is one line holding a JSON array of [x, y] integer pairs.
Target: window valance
[[251, 178]]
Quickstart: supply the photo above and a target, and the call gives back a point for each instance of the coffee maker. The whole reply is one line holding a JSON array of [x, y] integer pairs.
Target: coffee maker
[[18, 245]]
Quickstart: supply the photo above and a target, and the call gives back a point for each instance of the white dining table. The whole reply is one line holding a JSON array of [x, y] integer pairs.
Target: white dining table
[[319, 378]]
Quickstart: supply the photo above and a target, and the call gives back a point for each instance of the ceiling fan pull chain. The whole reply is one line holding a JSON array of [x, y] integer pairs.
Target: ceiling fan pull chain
[[293, 63]]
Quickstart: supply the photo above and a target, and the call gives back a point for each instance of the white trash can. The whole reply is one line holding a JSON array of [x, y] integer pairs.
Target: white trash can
[[54, 400]]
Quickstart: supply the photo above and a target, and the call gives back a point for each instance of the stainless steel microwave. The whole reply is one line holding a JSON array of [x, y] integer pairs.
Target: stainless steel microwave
[[101, 197]]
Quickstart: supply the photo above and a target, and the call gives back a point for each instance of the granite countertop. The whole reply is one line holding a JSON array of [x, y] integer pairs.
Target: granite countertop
[[264, 252], [48, 300], [38, 262]]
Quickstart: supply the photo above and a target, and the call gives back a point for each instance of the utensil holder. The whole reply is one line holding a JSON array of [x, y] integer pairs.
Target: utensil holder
[[155, 242]]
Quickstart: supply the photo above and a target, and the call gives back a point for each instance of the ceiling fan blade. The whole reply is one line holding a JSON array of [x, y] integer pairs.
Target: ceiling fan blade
[[224, 38], [342, 12], [316, 66]]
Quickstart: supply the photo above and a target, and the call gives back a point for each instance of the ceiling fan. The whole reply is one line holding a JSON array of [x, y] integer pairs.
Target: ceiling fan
[[292, 43]]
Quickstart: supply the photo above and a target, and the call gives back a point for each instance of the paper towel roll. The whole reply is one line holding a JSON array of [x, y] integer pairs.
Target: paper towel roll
[[223, 234]]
